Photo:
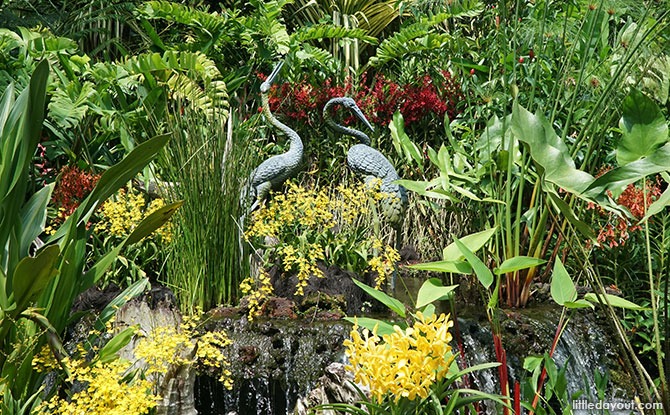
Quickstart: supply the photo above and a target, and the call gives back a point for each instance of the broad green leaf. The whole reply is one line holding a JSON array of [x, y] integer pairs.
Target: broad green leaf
[[402, 143], [93, 275], [33, 274], [659, 205], [473, 242], [121, 173], [457, 267], [33, 217], [484, 274], [615, 179], [562, 288], [644, 128], [581, 303], [433, 290], [548, 150], [518, 262], [613, 300], [383, 327], [390, 302], [152, 222], [109, 352]]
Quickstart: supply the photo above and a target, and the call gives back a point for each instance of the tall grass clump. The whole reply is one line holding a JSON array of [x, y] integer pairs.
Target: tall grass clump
[[201, 167]]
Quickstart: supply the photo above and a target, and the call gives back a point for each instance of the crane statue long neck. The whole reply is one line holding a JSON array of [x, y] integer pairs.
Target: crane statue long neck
[[295, 141], [362, 137]]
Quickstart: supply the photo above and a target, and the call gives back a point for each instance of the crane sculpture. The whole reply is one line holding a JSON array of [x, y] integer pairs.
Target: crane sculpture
[[363, 159], [271, 173]]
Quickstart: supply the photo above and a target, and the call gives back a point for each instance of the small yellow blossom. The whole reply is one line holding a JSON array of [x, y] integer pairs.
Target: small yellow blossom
[[257, 291], [405, 363]]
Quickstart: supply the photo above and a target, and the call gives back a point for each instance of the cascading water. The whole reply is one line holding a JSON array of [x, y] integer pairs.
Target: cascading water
[[275, 362]]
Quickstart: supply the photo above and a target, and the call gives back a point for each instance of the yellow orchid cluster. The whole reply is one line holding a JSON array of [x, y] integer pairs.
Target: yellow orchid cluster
[[257, 291], [167, 346], [119, 217], [327, 225], [106, 392], [303, 261], [116, 387], [405, 363], [383, 263]]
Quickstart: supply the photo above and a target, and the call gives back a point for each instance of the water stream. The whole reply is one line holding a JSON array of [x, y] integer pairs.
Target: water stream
[[275, 362]]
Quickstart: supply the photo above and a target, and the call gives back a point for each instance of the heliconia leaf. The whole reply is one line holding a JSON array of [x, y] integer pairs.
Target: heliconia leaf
[[483, 273], [473, 242], [644, 128], [153, 221], [548, 150], [110, 351], [581, 303], [457, 267], [517, 263], [383, 327], [613, 300], [433, 290], [390, 302], [656, 162], [33, 217], [562, 288], [32, 275]]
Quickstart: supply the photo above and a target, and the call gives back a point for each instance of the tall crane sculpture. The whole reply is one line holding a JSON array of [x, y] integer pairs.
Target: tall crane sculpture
[[272, 172], [363, 159]]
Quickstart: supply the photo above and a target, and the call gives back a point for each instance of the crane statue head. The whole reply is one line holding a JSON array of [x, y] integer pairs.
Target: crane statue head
[[350, 104], [265, 86]]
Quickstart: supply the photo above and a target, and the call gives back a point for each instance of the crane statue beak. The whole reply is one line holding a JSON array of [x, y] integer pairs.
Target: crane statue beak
[[275, 72], [361, 117], [265, 86]]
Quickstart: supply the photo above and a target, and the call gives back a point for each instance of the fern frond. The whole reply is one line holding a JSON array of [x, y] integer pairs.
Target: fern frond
[[412, 39], [327, 31]]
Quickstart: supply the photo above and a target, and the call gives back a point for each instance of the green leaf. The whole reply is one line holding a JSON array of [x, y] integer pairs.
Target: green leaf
[[109, 352], [562, 288], [484, 274], [644, 128], [473, 242], [581, 303], [383, 327], [33, 274], [433, 290], [121, 173], [658, 206], [548, 150], [403, 144], [457, 267], [152, 222], [33, 217], [518, 262], [613, 300], [657, 162], [390, 302]]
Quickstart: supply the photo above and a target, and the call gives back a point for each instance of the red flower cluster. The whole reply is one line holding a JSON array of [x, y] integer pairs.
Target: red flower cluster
[[74, 185], [378, 100], [636, 200]]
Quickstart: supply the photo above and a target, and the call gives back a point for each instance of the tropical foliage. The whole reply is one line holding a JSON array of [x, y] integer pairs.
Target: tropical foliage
[[532, 137]]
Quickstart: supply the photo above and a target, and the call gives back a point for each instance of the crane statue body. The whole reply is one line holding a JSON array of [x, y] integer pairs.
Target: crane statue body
[[365, 160], [271, 173]]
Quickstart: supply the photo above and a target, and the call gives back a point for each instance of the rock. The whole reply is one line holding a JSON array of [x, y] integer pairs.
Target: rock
[[335, 386], [177, 386]]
